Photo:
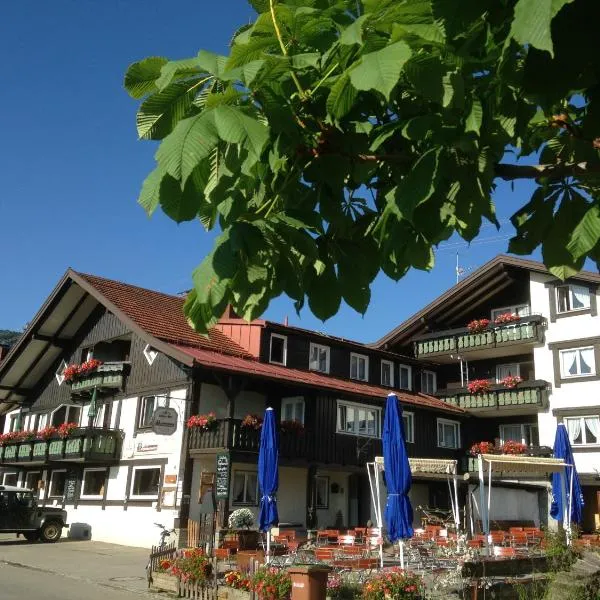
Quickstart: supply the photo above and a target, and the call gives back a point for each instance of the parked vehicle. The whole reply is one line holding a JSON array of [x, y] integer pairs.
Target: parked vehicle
[[19, 513]]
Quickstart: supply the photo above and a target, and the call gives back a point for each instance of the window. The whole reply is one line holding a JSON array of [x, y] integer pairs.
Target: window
[[31, 480], [583, 431], [145, 482], [322, 491], [10, 478], [405, 377], [150, 354], [387, 373], [56, 489], [65, 414], [319, 358], [503, 371], [86, 354], [245, 487], [524, 433], [448, 434], [148, 405], [59, 373], [278, 349], [521, 310], [409, 426], [358, 419], [93, 484], [359, 367], [15, 423], [577, 362], [292, 409], [428, 382], [571, 298]]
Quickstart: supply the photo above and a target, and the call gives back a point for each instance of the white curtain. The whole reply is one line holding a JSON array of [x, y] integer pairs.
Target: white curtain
[[581, 297], [569, 359], [593, 424], [587, 360], [574, 429]]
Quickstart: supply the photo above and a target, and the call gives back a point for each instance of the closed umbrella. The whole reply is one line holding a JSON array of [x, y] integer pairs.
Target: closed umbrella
[[398, 478], [268, 475], [567, 503]]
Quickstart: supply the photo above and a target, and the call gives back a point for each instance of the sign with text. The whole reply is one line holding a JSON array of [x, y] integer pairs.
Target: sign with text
[[164, 421], [222, 476]]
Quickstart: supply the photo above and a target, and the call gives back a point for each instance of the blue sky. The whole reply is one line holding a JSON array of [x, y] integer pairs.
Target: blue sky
[[72, 166]]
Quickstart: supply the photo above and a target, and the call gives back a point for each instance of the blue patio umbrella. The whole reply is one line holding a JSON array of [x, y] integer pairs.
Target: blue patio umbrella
[[563, 491], [268, 474], [398, 478]]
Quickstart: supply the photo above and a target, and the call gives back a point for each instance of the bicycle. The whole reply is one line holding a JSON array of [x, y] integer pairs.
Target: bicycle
[[164, 535]]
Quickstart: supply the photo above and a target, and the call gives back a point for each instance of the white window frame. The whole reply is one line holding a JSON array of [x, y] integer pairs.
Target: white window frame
[[85, 496], [59, 373], [4, 475], [285, 341], [390, 364], [567, 375], [407, 368], [323, 480], [517, 370], [583, 439], [513, 310], [357, 407], [409, 433], [293, 400], [68, 407], [456, 424], [311, 364], [245, 474], [157, 404], [134, 470], [150, 354], [523, 427], [428, 372], [50, 481], [572, 287], [359, 357]]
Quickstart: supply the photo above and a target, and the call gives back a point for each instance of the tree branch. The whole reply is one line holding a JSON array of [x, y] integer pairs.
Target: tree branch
[[512, 172]]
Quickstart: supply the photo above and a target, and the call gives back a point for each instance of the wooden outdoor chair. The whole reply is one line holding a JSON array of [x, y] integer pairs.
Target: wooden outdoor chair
[[290, 534], [346, 540], [519, 540], [475, 543], [225, 555], [324, 554], [497, 538], [512, 530], [504, 552]]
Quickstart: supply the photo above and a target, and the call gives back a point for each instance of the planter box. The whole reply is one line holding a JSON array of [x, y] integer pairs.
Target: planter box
[[10, 453], [228, 593], [165, 582], [247, 539], [56, 448]]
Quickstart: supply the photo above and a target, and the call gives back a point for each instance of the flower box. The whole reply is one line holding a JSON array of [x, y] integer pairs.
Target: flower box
[[10, 452], [24, 452], [56, 449], [165, 582]]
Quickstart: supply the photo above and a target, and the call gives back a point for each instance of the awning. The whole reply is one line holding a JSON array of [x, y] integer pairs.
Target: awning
[[509, 463], [427, 465]]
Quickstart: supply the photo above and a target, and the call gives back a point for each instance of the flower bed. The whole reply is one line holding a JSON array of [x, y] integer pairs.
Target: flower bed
[[272, 584], [203, 422], [396, 584], [190, 565]]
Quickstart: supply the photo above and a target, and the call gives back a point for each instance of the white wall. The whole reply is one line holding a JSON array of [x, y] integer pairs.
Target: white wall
[[337, 502], [213, 399]]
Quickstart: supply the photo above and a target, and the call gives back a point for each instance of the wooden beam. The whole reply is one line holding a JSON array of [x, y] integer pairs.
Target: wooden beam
[[480, 300], [52, 340], [15, 390]]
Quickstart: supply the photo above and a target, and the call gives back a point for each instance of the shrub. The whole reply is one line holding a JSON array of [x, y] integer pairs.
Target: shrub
[[272, 584], [241, 518], [192, 565], [396, 584], [236, 580], [341, 589]]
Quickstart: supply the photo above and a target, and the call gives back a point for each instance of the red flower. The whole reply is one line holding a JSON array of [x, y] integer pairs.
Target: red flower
[[505, 318], [478, 325], [479, 386], [482, 448], [65, 430], [511, 447]]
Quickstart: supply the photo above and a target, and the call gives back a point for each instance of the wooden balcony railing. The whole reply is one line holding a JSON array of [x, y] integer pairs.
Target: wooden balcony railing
[[107, 378], [529, 330], [339, 449], [532, 394], [83, 445], [470, 464]]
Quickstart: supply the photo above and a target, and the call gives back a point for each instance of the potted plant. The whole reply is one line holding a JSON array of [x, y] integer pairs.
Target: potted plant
[[506, 318], [46, 433], [511, 381], [479, 386], [478, 325], [252, 422], [203, 422], [241, 520], [483, 448], [512, 447], [65, 430]]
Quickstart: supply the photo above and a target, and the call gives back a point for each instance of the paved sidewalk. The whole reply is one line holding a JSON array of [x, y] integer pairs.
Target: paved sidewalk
[[71, 569]]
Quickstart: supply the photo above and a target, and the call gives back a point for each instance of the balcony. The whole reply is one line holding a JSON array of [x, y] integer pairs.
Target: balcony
[[93, 445], [106, 378], [470, 464], [527, 397], [495, 341], [305, 446]]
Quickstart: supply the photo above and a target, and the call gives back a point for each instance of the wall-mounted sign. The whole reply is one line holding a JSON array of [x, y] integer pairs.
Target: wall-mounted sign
[[70, 486], [170, 479], [222, 476], [144, 447], [164, 421]]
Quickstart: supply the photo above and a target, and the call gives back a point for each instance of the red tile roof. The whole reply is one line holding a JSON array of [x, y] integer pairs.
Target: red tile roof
[[311, 379], [160, 315]]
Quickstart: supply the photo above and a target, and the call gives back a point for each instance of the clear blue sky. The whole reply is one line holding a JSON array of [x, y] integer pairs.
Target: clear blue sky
[[71, 164]]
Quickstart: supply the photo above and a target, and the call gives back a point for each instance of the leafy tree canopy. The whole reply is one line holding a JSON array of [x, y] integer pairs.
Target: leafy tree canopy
[[341, 138]]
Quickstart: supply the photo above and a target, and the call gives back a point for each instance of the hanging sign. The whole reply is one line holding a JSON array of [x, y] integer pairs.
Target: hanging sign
[[222, 476], [164, 421]]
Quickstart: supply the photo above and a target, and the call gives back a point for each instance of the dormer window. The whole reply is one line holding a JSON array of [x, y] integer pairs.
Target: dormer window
[[359, 367], [570, 298], [319, 358], [278, 349]]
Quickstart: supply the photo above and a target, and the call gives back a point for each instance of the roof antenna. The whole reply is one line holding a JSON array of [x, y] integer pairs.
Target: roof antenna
[[285, 321]]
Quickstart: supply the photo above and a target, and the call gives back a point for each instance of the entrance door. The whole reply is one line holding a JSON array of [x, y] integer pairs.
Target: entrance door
[[359, 500]]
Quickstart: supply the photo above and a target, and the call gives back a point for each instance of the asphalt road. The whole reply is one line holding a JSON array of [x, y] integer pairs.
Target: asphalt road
[[71, 570]]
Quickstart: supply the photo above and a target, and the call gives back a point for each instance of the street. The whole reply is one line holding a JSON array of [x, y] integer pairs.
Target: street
[[70, 570]]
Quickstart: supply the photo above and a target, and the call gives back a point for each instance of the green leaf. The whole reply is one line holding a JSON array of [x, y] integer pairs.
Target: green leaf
[[341, 97], [473, 122], [141, 76], [212, 63], [426, 73], [353, 34], [236, 127], [586, 233], [380, 70], [150, 193], [178, 69], [160, 113], [418, 128], [532, 21], [428, 32], [324, 296], [306, 60], [176, 204], [192, 140]]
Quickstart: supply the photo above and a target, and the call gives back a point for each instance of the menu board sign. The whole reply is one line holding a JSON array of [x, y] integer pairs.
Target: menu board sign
[[222, 475]]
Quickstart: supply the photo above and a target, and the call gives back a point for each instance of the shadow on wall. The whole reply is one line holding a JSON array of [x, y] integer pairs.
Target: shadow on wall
[[80, 531]]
